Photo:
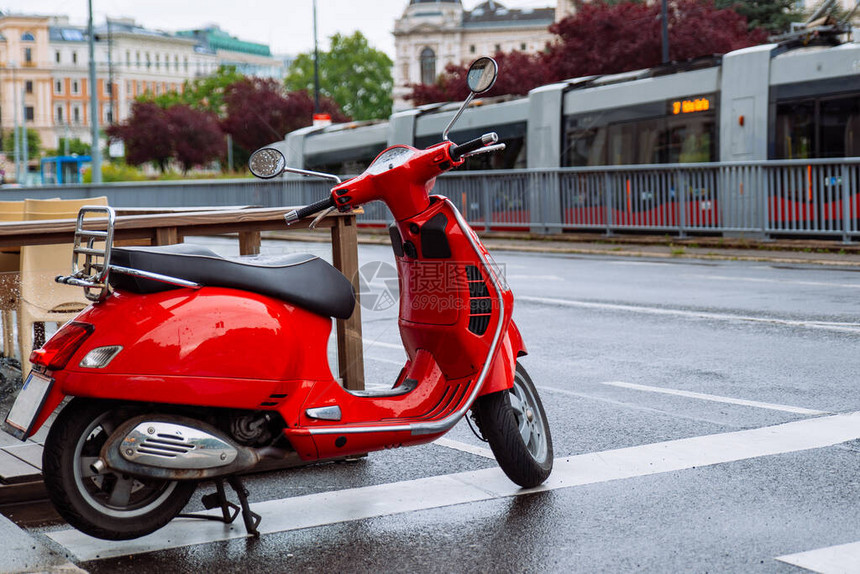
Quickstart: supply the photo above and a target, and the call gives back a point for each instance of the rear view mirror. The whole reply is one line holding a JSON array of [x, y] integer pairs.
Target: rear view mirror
[[482, 75], [267, 163]]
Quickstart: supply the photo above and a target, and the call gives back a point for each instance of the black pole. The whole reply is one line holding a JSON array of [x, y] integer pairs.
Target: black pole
[[664, 20], [317, 65]]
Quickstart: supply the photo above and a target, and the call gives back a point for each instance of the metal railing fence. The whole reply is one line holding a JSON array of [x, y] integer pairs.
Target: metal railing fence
[[809, 197]]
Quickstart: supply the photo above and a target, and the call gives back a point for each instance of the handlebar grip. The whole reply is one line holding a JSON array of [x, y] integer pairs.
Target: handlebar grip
[[459, 151], [303, 212]]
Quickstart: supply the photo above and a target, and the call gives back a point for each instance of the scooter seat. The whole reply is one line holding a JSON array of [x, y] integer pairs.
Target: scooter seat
[[298, 278]]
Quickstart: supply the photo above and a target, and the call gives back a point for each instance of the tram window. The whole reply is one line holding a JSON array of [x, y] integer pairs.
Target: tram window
[[689, 141], [682, 139], [622, 138], [586, 147], [795, 130], [839, 127]]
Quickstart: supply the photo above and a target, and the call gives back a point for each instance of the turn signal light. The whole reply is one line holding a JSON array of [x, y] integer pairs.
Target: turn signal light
[[59, 349]]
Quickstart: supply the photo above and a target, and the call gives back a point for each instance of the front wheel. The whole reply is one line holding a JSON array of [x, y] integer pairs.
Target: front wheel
[[515, 425], [109, 505]]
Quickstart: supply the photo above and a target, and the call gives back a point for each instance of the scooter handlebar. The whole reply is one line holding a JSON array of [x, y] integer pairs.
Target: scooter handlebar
[[458, 151], [297, 214]]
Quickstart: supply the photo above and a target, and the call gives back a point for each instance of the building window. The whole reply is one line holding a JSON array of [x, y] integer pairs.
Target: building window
[[523, 47], [76, 87], [428, 66], [29, 113], [157, 61], [74, 57], [472, 49], [28, 55], [28, 86], [138, 59], [148, 60], [57, 56], [59, 114], [109, 89], [58, 87], [128, 58], [76, 115], [186, 63], [498, 48], [28, 37]]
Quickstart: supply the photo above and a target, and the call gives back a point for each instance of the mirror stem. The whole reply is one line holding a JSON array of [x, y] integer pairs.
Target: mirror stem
[[456, 117]]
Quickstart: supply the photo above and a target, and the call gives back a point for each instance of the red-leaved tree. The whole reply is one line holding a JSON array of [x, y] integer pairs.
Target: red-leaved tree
[[145, 134], [197, 136], [259, 112], [608, 39]]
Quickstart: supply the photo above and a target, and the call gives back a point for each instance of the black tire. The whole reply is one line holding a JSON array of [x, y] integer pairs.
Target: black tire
[[515, 425], [110, 506]]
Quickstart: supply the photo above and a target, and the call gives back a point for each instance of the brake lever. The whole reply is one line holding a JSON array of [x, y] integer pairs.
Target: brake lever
[[318, 218], [488, 149]]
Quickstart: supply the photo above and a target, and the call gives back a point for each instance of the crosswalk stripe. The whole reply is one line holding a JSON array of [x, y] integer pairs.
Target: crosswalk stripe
[[467, 487], [841, 559]]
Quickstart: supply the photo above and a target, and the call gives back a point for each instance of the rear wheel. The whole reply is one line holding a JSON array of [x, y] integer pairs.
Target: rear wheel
[[515, 425], [108, 505]]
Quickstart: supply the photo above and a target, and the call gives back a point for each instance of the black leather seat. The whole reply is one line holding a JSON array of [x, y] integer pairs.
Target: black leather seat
[[299, 278]]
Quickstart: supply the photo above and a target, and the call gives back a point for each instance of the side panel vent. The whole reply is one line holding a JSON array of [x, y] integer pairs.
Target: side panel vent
[[480, 304]]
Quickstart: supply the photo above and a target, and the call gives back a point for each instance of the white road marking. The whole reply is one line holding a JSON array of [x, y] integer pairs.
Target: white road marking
[[387, 361], [535, 277], [830, 326], [370, 344], [466, 487], [842, 559], [715, 398], [780, 281], [465, 447]]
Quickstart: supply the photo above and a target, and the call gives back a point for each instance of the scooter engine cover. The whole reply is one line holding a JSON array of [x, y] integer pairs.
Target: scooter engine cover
[[172, 445]]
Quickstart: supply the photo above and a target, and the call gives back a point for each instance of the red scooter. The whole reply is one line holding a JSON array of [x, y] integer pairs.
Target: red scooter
[[189, 366]]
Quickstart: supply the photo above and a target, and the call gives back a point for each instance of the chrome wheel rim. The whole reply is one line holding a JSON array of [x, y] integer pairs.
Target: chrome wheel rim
[[529, 419], [111, 493]]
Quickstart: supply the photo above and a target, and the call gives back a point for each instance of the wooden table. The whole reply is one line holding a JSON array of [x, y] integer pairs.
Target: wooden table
[[173, 227]]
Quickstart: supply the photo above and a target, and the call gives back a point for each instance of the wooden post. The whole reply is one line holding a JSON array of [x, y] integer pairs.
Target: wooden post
[[165, 236], [249, 242], [344, 246]]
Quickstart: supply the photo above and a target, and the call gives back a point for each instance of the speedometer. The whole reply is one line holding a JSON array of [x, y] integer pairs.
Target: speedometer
[[389, 159]]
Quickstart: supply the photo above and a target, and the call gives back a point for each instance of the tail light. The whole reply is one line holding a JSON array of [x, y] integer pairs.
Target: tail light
[[59, 349]]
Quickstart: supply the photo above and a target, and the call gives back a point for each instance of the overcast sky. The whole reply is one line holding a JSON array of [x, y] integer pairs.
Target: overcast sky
[[285, 25]]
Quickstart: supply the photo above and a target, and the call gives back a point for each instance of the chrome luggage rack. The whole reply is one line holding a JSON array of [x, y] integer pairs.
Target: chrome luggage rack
[[91, 266]]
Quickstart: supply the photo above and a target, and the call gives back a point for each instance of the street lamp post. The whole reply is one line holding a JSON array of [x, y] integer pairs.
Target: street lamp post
[[96, 154], [16, 133], [316, 65]]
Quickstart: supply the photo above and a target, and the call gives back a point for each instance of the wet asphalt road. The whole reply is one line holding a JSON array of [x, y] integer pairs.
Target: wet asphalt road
[[613, 346]]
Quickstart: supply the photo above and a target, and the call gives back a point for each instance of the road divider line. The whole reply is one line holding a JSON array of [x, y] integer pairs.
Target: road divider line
[[832, 560], [482, 485], [715, 398], [465, 447], [644, 309]]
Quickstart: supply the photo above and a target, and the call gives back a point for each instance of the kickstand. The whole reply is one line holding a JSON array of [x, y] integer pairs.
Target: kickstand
[[252, 519], [217, 499], [229, 511]]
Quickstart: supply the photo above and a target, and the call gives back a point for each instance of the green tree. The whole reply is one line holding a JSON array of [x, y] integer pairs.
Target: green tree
[[775, 16], [203, 94], [352, 73], [76, 147], [34, 144]]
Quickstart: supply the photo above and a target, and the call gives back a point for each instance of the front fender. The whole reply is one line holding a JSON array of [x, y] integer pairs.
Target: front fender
[[501, 375]]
